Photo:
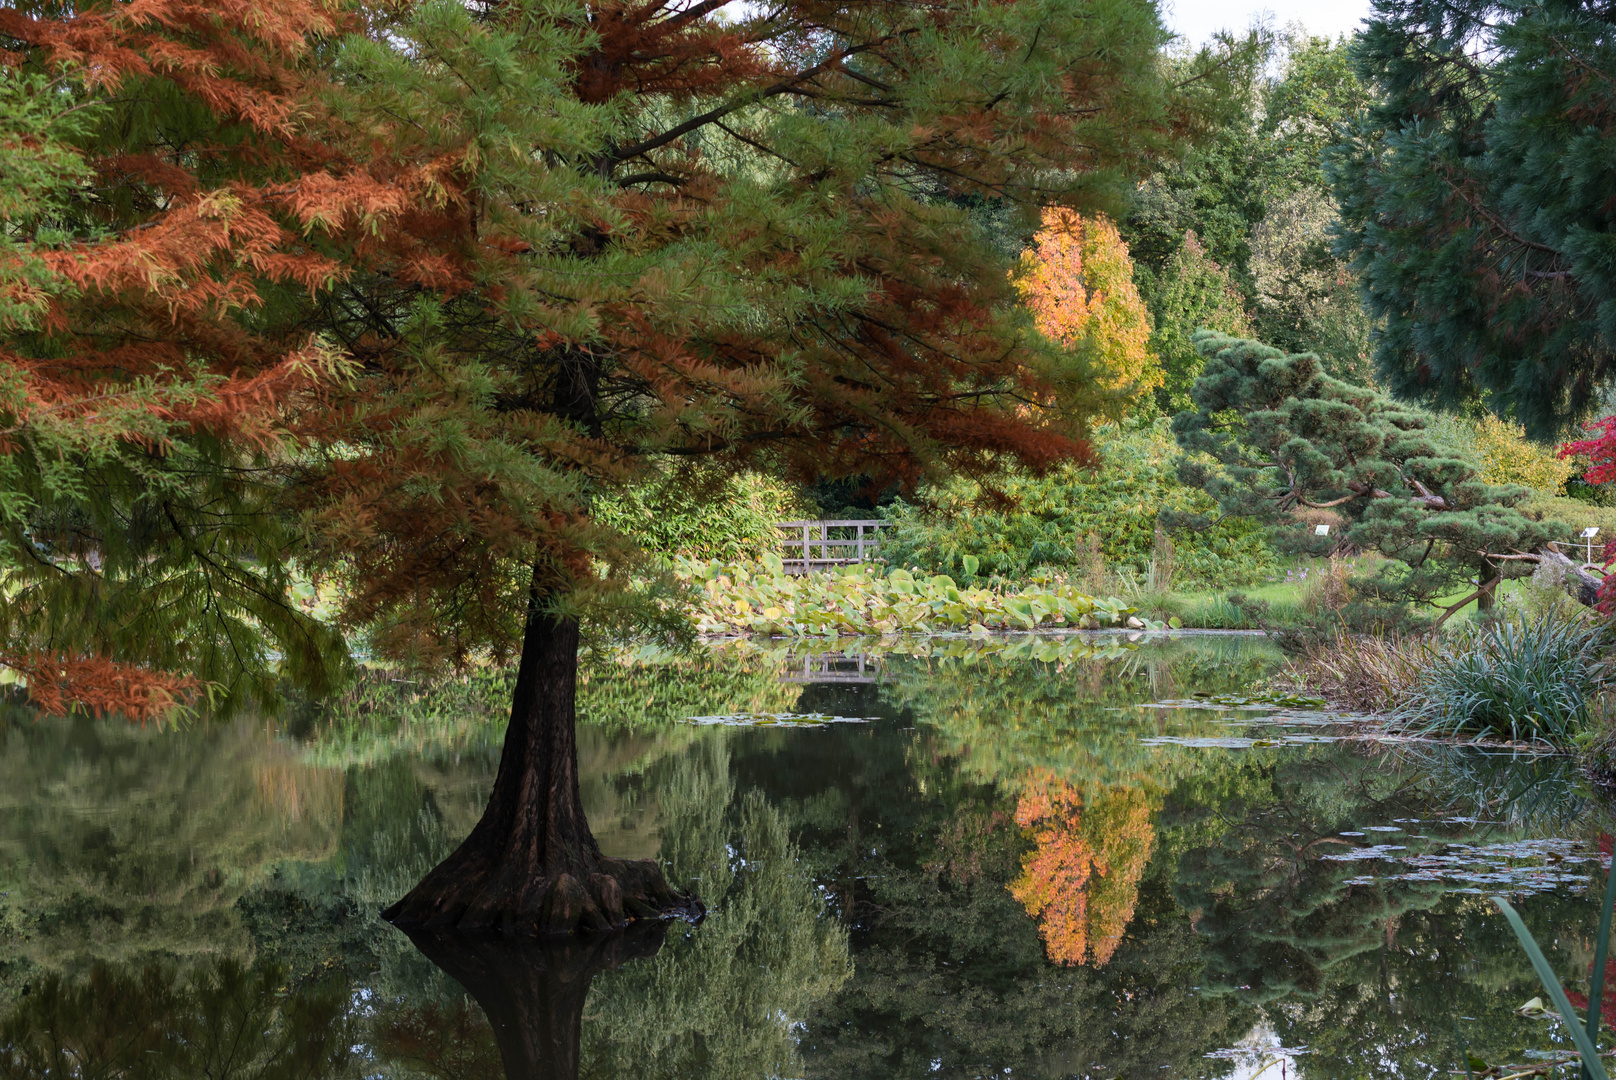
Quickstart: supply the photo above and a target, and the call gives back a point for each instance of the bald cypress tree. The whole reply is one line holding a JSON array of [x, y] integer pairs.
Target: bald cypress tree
[[442, 274]]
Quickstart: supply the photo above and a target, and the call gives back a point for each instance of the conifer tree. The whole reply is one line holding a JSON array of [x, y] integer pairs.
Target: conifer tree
[[1271, 433], [1475, 193], [741, 241], [154, 377], [437, 279]]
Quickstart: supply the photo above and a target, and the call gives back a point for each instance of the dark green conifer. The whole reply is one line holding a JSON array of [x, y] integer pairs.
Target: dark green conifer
[[1476, 199]]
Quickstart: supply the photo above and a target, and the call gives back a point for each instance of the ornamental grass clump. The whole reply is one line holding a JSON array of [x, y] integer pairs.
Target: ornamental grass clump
[[1363, 672], [1527, 680]]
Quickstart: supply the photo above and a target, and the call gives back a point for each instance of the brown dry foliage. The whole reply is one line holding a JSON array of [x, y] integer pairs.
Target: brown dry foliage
[[1365, 673]]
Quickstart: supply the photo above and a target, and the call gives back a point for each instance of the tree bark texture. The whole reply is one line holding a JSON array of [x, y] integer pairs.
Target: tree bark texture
[[1578, 583], [534, 994], [531, 867]]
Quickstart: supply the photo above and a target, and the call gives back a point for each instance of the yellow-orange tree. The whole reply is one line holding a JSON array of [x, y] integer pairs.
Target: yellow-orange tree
[[1081, 879], [1077, 280]]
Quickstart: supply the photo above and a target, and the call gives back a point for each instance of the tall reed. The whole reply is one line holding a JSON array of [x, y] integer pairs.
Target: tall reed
[[1367, 673]]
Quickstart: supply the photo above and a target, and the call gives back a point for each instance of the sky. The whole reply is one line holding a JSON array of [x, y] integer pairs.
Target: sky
[[1197, 19]]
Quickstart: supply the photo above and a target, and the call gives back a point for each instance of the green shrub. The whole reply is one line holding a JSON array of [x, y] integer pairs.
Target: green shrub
[[1577, 515], [865, 599], [690, 512], [1518, 678], [1053, 517]]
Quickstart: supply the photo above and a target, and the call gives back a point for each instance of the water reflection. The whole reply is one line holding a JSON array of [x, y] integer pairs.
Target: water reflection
[[221, 1021], [532, 997], [1010, 865]]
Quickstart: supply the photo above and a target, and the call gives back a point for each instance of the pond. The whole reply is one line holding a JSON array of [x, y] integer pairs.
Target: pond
[[1050, 857]]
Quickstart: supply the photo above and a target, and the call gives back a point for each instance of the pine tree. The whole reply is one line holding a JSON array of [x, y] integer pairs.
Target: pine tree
[[1271, 433], [1475, 192]]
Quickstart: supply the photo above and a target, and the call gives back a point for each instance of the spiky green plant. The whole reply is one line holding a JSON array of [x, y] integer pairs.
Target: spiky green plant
[[1528, 680], [1585, 1035]]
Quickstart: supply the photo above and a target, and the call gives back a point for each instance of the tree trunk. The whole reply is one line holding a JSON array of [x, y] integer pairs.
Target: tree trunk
[[531, 867], [533, 995], [1487, 595], [1578, 583]]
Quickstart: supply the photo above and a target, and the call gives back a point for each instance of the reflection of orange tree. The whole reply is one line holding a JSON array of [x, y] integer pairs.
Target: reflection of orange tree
[[1081, 880]]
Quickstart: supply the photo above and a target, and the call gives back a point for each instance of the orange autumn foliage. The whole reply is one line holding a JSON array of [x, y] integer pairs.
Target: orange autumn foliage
[[1077, 280], [1081, 880], [99, 686], [154, 373]]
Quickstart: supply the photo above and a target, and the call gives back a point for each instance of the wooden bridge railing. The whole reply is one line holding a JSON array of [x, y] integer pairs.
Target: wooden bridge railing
[[833, 668], [815, 545]]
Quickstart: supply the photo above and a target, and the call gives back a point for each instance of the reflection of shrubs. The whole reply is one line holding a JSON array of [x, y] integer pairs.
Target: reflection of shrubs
[[223, 1020], [1515, 677]]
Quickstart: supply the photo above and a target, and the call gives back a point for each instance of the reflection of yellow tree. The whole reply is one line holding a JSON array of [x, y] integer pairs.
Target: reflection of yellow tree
[[1081, 880]]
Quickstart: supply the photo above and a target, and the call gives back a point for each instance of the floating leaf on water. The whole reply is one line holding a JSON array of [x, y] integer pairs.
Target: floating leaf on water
[[1535, 1010], [1379, 851], [777, 720]]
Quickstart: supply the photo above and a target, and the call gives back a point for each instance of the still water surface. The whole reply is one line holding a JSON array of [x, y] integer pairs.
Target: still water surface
[[1034, 857]]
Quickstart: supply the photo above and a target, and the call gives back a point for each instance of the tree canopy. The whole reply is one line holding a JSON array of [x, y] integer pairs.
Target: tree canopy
[[1475, 199], [1278, 435], [393, 298]]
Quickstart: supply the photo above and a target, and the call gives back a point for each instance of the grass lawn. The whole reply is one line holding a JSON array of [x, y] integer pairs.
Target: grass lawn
[[1287, 594]]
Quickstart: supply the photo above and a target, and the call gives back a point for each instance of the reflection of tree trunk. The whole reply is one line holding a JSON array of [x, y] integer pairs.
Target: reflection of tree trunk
[[531, 866], [533, 994]]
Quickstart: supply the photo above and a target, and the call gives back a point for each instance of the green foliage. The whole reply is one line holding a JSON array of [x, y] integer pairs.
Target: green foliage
[[1053, 517], [1192, 292], [1504, 454], [1521, 679], [1307, 300], [38, 166], [1575, 514], [1272, 434], [1475, 197], [222, 1021], [1235, 237], [703, 515], [864, 599]]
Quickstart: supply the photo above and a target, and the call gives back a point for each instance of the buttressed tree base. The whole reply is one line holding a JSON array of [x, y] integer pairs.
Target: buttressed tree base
[[531, 867]]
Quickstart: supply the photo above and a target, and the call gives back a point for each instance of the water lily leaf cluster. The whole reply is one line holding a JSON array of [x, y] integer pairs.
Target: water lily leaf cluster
[[762, 598]]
